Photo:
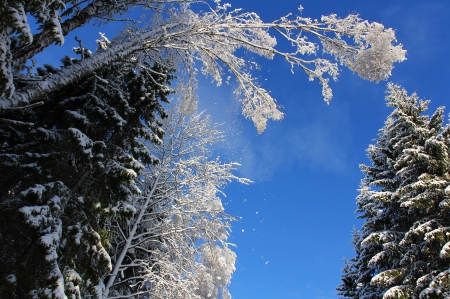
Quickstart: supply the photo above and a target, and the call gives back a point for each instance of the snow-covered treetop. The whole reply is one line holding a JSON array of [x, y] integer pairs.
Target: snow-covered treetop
[[178, 36]]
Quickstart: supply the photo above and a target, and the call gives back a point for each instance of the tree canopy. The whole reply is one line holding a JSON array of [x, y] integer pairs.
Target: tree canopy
[[104, 193], [176, 36], [83, 151], [402, 248]]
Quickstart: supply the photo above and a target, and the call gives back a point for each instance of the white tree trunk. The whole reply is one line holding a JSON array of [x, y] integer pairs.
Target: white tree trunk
[[127, 244]]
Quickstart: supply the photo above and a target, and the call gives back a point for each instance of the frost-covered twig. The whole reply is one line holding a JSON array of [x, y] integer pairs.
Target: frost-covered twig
[[178, 221], [180, 37]]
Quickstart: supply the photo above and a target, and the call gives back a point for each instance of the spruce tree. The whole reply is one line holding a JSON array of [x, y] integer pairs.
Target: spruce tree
[[66, 166], [401, 251], [350, 273]]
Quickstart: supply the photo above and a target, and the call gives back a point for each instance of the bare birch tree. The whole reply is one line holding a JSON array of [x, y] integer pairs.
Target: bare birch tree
[[175, 245]]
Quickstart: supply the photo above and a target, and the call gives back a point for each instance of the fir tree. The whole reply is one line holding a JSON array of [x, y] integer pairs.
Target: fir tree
[[402, 249], [66, 166], [350, 273]]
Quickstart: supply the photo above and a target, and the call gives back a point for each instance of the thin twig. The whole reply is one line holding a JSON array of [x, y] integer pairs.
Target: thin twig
[[42, 78], [16, 122], [81, 46], [25, 107]]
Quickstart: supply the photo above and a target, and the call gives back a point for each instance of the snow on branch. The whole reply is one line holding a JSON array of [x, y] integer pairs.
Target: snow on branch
[[182, 37], [175, 245]]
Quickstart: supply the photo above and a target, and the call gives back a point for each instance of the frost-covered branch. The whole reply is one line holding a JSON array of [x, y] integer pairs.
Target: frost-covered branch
[[74, 14], [177, 221], [180, 37]]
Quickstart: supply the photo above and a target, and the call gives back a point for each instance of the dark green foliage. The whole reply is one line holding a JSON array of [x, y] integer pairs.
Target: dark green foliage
[[350, 273], [403, 244], [80, 151]]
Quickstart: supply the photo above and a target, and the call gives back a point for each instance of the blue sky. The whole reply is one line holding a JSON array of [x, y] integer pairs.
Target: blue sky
[[298, 215]]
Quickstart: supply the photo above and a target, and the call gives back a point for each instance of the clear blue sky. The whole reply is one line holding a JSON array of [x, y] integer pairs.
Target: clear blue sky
[[298, 215]]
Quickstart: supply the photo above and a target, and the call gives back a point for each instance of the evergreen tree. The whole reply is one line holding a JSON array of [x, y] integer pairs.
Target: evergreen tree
[[63, 162], [349, 271], [401, 251]]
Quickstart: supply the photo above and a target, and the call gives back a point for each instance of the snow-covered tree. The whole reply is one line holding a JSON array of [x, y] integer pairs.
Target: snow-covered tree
[[55, 20], [351, 273], [403, 244], [81, 193], [176, 36], [175, 244], [61, 163]]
